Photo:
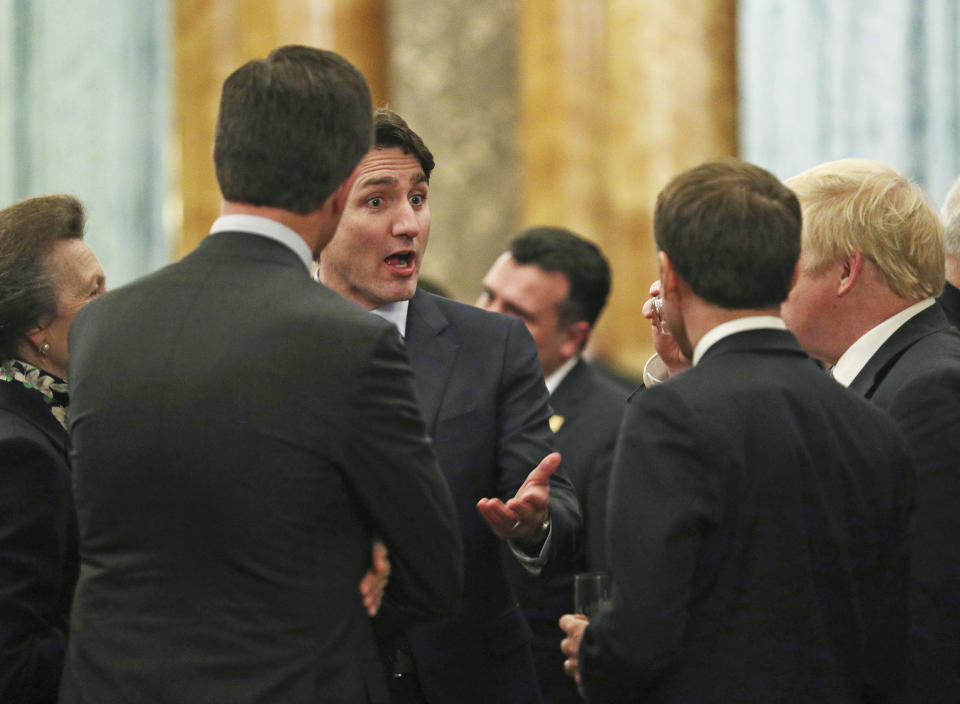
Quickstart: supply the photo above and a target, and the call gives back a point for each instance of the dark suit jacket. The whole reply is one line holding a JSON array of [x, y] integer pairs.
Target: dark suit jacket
[[758, 531], [38, 547], [240, 434], [483, 398], [915, 376], [950, 302], [587, 408]]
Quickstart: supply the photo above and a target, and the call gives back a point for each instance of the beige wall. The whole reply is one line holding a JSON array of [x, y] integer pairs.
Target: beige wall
[[562, 112]]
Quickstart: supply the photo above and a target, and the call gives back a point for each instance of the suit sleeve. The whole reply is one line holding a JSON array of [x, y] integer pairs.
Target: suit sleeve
[[928, 411], [661, 504], [402, 487], [34, 508], [525, 438]]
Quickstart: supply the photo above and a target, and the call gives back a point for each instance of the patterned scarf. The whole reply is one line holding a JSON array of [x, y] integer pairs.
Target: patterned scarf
[[52, 388]]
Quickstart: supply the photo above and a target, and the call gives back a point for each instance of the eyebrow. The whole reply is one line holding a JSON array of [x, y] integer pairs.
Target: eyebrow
[[517, 310], [391, 181], [509, 305]]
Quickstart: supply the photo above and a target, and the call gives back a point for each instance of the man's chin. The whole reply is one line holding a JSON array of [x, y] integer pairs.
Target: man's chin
[[402, 290]]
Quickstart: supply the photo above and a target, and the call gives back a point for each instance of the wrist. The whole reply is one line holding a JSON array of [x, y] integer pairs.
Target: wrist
[[537, 536]]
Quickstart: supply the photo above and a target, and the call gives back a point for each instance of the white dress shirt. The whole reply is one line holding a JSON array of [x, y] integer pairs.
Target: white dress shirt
[[860, 352], [395, 313], [560, 373], [267, 228], [731, 327]]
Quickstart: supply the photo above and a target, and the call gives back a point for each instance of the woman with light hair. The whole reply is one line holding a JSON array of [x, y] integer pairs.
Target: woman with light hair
[[47, 273]]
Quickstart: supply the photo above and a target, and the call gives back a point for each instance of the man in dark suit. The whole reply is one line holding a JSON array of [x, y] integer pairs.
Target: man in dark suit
[[557, 284], [759, 514], [241, 434], [872, 262], [950, 298], [482, 395]]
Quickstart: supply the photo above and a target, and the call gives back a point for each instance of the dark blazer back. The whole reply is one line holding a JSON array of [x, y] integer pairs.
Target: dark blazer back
[[915, 377], [38, 547], [240, 435], [758, 538]]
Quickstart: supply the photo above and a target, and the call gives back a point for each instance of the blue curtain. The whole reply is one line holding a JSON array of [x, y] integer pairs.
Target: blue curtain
[[85, 110], [827, 79]]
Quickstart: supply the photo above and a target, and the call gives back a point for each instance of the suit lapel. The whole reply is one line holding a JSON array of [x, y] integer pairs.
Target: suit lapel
[[432, 346], [926, 322]]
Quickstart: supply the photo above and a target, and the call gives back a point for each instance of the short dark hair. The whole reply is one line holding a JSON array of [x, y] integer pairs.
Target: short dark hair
[[391, 130], [291, 128], [28, 291], [582, 262], [733, 232]]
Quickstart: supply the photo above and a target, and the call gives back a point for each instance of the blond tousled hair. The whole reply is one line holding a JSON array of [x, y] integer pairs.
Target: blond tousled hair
[[858, 205]]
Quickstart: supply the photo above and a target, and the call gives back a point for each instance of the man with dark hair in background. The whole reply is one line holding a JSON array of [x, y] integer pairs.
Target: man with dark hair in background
[[950, 298], [482, 395], [758, 524], [242, 434], [557, 283]]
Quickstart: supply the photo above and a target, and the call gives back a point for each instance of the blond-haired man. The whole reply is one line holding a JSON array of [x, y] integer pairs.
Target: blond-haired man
[[871, 264], [950, 298]]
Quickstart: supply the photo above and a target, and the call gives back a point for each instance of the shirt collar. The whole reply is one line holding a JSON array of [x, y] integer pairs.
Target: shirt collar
[[859, 353], [731, 327], [560, 373], [395, 313], [267, 228]]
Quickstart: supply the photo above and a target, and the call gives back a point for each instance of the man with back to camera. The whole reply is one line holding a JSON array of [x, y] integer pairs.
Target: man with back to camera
[[950, 298], [872, 262], [557, 284], [482, 395], [759, 513], [241, 434]]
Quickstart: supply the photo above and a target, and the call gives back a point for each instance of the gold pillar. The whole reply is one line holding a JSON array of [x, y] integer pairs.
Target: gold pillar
[[616, 97], [214, 37]]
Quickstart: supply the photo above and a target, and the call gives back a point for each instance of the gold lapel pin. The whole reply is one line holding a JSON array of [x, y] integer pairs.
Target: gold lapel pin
[[556, 422]]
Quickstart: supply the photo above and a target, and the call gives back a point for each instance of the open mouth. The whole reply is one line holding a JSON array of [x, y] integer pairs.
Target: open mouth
[[400, 260]]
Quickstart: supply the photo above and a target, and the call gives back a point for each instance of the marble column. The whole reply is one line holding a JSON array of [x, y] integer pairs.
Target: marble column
[[453, 78], [617, 97]]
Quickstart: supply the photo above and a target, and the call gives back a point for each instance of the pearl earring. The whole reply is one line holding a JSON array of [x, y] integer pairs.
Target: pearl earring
[[44, 349]]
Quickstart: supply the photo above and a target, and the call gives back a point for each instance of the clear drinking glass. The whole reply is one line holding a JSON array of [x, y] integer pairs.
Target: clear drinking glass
[[658, 315], [591, 590]]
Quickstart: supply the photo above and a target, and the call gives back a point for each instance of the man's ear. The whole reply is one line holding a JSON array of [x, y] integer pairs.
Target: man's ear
[[337, 200], [669, 279], [575, 338], [849, 273]]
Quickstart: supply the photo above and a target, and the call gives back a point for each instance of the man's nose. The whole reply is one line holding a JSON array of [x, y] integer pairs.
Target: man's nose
[[405, 223]]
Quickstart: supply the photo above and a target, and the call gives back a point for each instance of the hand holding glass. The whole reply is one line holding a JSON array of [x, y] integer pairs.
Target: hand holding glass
[[591, 590]]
